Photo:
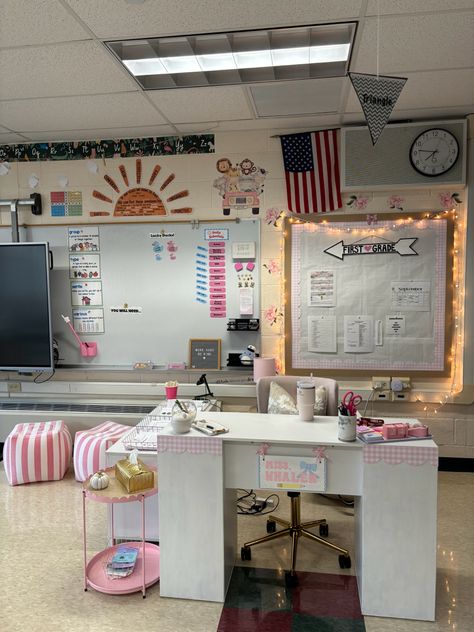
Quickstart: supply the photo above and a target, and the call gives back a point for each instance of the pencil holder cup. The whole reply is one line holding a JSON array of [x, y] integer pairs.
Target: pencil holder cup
[[346, 427], [88, 349], [182, 416], [171, 392]]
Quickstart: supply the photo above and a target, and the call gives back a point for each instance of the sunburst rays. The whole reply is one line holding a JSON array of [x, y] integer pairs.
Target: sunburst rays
[[138, 200]]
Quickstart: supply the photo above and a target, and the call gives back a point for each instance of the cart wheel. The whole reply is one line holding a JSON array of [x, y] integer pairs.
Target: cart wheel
[[226, 211], [245, 553], [344, 561], [271, 526], [144, 596], [255, 210], [324, 530]]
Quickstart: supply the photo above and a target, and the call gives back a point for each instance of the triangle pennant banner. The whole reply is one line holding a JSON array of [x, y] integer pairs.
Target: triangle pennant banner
[[377, 96]]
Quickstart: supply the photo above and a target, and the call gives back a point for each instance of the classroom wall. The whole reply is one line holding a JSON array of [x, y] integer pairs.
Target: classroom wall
[[196, 174]]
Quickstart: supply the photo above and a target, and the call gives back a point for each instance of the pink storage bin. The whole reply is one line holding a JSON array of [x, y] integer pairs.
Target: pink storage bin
[[35, 452], [394, 431], [91, 445]]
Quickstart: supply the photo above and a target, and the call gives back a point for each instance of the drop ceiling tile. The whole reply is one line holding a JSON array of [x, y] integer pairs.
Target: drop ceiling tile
[[416, 42], [287, 124], [76, 113], [110, 19], [430, 89], [193, 105], [387, 7], [61, 69], [24, 22], [292, 98], [103, 134]]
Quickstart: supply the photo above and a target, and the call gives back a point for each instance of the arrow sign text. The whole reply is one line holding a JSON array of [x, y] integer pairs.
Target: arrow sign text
[[403, 247]]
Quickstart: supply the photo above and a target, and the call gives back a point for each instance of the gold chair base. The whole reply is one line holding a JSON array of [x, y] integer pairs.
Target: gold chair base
[[295, 529]]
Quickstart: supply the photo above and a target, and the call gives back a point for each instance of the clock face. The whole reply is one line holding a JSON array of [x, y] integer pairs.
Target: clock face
[[434, 152]]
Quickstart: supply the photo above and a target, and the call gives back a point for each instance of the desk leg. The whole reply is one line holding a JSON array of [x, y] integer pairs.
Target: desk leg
[[396, 540], [198, 525]]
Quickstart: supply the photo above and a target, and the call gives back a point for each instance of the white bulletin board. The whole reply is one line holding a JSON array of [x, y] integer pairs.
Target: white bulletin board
[[369, 297]]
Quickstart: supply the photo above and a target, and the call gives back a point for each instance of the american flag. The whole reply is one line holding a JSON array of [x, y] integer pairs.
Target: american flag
[[312, 171]]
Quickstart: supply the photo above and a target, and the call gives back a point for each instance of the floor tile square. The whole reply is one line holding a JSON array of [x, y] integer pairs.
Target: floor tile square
[[326, 595], [305, 623], [243, 620]]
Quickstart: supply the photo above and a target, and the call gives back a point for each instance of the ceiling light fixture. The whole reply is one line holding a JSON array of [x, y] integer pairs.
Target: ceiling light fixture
[[242, 57]]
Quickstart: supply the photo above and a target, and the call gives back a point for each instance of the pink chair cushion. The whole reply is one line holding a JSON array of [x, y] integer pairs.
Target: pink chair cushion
[[91, 445], [37, 452]]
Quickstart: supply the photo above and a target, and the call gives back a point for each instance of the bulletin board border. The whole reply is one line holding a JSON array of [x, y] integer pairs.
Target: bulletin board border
[[287, 227]]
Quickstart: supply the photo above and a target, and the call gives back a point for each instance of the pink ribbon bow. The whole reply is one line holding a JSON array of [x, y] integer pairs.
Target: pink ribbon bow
[[371, 219], [263, 449]]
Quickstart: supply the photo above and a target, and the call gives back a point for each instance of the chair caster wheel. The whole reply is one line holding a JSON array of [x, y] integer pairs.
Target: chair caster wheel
[[344, 561], [291, 579], [245, 553], [271, 526], [324, 530]]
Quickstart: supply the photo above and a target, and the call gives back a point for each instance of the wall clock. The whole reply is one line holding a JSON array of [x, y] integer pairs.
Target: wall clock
[[434, 151]]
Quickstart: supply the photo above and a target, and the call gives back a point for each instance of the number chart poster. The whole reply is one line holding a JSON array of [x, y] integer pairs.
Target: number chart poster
[[349, 279]]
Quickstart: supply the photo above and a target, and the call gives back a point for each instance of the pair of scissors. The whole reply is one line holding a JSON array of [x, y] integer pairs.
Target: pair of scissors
[[350, 402]]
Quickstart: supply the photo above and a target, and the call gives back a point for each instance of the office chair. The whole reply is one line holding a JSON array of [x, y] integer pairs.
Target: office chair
[[294, 528]]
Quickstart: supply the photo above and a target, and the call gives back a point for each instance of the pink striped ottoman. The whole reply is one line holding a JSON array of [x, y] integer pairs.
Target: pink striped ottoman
[[37, 452], [90, 447]]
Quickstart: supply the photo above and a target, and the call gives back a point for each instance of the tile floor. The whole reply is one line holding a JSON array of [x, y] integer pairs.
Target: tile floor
[[41, 567]]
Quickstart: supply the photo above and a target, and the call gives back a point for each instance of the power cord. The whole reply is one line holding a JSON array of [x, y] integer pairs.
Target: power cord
[[249, 505]]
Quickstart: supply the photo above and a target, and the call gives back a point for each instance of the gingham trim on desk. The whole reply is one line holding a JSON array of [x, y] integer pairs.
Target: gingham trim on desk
[[395, 454], [192, 445]]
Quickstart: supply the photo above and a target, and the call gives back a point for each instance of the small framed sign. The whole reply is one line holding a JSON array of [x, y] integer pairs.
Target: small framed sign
[[205, 353]]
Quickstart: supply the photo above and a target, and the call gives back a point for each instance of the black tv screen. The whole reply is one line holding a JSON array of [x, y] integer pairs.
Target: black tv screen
[[25, 313]]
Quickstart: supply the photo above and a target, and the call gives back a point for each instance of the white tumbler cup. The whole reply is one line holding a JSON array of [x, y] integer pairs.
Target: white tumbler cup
[[305, 395]]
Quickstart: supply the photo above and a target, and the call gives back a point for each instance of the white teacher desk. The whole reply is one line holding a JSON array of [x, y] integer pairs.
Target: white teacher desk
[[395, 508]]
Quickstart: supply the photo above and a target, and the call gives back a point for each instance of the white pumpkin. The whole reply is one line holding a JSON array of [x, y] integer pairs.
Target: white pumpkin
[[99, 480]]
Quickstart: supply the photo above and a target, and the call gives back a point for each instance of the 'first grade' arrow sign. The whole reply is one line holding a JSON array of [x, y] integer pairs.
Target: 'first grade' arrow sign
[[403, 247]]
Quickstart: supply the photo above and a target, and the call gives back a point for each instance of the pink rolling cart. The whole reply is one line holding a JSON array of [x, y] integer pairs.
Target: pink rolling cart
[[95, 574]]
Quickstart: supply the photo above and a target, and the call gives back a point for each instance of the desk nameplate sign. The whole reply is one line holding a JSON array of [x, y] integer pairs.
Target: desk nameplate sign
[[292, 473]]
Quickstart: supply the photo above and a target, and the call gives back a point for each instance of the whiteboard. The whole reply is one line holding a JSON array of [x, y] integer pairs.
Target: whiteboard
[[149, 290], [369, 297]]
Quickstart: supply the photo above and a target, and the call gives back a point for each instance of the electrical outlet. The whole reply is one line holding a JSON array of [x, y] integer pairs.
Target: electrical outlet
[[381, 383], [400, 396], [382, 395], [14, 387]]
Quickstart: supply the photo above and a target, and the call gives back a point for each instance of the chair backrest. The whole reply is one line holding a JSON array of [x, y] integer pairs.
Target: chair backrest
[[288, 382]]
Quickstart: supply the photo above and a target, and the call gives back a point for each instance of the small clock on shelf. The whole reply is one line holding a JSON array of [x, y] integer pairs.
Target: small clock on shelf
[[434, 152]]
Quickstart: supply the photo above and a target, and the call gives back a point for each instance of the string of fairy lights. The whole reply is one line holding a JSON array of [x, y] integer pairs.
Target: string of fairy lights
[[455, 357]]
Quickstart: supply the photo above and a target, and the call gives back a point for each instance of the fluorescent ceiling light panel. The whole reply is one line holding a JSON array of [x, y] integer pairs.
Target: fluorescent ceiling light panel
[[184, 63], [253, 59], [290, 56], [327, 54], [215, 58], [218, 61], [141, 67]]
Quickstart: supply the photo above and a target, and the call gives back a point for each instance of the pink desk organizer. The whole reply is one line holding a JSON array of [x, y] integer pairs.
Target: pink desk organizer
[[88, 349]]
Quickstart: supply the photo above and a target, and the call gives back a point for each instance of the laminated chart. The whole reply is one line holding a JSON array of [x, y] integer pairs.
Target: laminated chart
[[202, 290], [66, 203], [217, 285]]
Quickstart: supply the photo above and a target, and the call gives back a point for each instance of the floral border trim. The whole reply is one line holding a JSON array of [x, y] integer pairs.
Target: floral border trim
[[118, 148]]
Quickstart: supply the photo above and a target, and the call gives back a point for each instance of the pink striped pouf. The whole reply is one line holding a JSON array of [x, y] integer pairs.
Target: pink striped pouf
[[90, 447], [37, 452]]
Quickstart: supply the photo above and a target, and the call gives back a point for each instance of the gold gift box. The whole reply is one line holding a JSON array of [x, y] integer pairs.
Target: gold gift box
[[134, 477]]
